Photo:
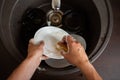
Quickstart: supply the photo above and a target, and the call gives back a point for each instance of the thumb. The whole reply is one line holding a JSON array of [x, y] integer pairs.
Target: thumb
[[63, 53], [44, 57], [41, 44]]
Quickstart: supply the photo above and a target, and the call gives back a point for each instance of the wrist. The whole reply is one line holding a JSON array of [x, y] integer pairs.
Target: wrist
[[34, 55], [83, 64], [35, 59]]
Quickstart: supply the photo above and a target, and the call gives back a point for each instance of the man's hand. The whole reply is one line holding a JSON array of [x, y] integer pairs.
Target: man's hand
[[36, 50], [76, 53], [77, 56], [26, 69]]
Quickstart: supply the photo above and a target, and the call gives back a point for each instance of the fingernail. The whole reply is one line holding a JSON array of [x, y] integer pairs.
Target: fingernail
[[69, 36], [31, 40], [41, 42], [63, 52]]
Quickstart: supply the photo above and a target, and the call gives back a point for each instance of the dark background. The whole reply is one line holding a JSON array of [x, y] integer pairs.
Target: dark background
[[108, 64]]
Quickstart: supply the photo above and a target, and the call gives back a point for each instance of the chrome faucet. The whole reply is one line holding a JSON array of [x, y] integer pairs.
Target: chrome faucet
[[54, 16], [56, 4]]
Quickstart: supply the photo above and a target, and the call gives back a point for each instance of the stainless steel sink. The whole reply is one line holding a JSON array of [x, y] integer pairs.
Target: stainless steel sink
[[95, 26]]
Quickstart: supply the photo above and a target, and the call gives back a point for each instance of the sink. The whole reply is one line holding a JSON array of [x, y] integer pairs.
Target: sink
[[90, 19]]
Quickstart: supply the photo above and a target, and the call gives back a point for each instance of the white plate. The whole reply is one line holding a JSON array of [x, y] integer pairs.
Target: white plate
[[62, 63], [51, 36]]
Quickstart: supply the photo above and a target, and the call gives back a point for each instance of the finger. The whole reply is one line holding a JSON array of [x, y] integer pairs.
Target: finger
[[76, 42], [44, 57], [63, 41], [69, 40], [31, 41], [64, 38], [63, 53], [41, 44]]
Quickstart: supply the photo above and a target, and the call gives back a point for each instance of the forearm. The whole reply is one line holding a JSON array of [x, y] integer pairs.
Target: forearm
[[89, 71], [25, 70]]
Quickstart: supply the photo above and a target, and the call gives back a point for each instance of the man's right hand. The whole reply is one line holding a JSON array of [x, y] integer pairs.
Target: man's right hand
[[76, 54]]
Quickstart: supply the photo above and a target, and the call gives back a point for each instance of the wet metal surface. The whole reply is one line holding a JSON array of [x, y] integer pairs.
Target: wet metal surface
[[108, 64]]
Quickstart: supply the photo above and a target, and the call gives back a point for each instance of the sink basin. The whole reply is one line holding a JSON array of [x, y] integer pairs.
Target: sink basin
[[94, 23]]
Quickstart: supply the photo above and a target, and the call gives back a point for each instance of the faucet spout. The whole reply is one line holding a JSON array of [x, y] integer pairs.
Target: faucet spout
[[56, 4]]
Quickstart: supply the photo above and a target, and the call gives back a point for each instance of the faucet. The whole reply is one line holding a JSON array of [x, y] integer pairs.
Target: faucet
[[56, 4], [54, 16]]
